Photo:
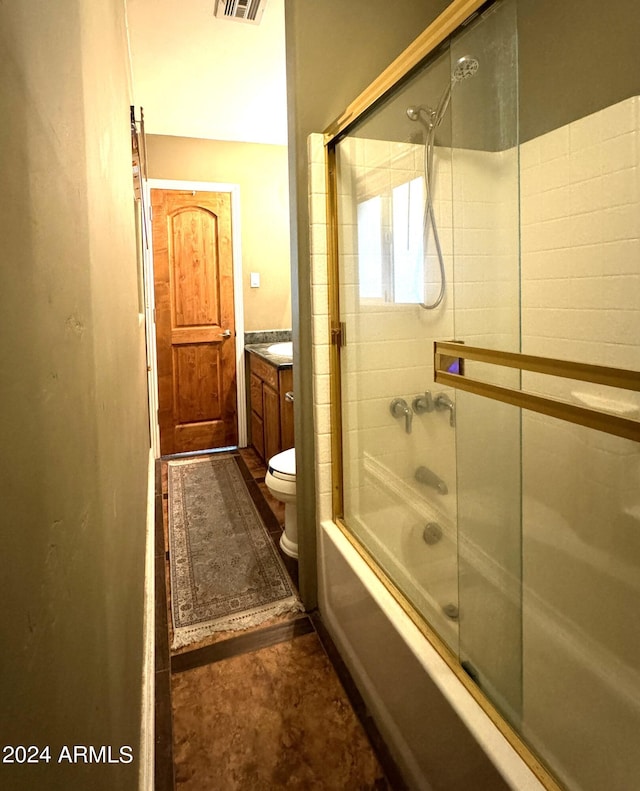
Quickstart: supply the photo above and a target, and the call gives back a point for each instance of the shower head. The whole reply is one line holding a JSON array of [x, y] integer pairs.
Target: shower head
[[465, 67]]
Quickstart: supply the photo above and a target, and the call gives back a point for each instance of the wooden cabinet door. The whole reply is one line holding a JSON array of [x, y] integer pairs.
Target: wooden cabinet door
[[195, 328], [286, 409], [257, 433], [271, 421]]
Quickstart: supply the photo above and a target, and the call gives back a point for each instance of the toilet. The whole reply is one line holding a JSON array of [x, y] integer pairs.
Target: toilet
[[281, 482]]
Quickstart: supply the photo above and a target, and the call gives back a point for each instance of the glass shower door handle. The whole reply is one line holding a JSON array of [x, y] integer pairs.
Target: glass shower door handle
[[623, 379]]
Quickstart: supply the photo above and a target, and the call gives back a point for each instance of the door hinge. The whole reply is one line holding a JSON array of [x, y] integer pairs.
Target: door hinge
[[339, 334]]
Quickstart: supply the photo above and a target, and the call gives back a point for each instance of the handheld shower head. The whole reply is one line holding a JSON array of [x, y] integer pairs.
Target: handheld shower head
[[465, 67]]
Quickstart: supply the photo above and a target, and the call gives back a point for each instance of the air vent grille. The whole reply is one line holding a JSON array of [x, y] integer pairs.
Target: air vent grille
[[241, 10]]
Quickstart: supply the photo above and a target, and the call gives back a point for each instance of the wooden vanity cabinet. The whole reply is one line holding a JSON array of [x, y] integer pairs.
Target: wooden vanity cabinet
[[271, 412]]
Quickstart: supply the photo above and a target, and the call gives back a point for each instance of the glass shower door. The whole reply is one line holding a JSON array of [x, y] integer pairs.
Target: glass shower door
[[398, 450], [513, 533], [485, 167]]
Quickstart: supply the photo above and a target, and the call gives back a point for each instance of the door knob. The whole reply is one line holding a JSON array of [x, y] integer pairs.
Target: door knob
[[226, 334]]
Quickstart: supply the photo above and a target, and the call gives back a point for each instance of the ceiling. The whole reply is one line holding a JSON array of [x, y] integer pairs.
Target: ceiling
[[199, 76]]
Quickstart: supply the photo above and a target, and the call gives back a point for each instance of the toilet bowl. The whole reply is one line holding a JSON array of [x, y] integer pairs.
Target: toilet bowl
[[281, 482]]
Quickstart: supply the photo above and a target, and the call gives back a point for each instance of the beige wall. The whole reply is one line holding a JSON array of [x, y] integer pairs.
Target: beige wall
[[334, 50], [261, 172], [74, 428]]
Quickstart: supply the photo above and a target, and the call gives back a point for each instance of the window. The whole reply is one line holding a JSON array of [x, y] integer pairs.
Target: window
[[390, 245]]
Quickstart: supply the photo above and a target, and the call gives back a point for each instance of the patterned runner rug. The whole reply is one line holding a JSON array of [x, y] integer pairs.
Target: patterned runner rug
[[225, 569]]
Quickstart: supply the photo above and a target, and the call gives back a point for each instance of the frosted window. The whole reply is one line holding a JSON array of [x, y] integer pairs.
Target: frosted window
[[370, 259], [408, 268]]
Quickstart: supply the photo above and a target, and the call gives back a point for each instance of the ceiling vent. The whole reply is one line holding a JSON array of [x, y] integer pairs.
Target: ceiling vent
[[241, 10]]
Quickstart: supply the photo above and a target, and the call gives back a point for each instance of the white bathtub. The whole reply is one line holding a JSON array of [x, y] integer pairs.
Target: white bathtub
[[411, 690], [438, 734]]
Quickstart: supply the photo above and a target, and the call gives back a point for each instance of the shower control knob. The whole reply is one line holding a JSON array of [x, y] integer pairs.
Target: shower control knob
[[423, 403], [400, 408]]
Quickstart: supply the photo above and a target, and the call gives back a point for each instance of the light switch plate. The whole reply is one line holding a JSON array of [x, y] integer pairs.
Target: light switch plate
[[255, 280]]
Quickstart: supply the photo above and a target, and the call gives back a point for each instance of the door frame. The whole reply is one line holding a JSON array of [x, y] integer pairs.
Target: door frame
[[238, 302]]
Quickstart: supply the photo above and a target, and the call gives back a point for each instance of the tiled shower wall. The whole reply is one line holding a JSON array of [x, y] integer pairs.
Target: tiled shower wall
[[579, 197], [389, 348], [581, 239], [388, 353], [581, 506]]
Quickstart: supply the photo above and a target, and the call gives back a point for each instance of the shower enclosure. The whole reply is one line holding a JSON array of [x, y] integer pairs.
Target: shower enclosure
[[511, 534]]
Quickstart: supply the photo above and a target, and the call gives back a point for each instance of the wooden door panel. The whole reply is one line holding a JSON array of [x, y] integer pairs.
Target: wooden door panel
[[192, 235], [193, 270], [197, 383]]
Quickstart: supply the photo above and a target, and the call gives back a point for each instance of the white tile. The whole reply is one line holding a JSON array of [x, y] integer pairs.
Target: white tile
[[554, 144], [317, 181], [584, 164], [320, 299], [320, 325], [585, 229], [323, 478], [621, 118], [619, 222], [318, 208], [323, 449], [620, 257], [321, 363], [556, 203], [318, 239], [324, 506], [620, 187], [585, 195], [315, 147], [619, 153], [322, 418], [319, 274], [322, 389], [586, 132]]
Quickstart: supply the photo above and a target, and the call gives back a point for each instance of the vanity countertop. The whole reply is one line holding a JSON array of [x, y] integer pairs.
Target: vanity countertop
[[262, 350]]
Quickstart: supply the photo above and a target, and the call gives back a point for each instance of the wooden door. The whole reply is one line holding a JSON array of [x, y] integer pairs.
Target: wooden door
[[195, 328]]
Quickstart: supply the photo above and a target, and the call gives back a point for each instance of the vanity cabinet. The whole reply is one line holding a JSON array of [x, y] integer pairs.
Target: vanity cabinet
[[271, 411]]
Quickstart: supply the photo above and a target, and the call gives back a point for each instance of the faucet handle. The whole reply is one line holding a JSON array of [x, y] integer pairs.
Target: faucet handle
[[442, 402], [399, 408], [423, 403]]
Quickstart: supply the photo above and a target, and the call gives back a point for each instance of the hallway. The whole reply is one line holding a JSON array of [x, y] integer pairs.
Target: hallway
[[264, 708]]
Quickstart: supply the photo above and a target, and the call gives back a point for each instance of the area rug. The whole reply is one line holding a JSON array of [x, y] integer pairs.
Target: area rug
[[226, 573]]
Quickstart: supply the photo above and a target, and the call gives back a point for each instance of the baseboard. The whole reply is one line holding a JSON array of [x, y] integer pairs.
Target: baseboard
[[147, 720]]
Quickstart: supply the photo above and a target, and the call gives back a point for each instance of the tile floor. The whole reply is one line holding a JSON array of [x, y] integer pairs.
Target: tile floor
[[264, 708]]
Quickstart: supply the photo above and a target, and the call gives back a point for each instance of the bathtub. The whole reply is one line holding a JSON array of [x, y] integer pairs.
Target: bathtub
[[434, 727], [438, 734], [426, 573]]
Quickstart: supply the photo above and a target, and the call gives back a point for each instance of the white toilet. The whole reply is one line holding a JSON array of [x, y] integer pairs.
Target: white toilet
[[281, 482]]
